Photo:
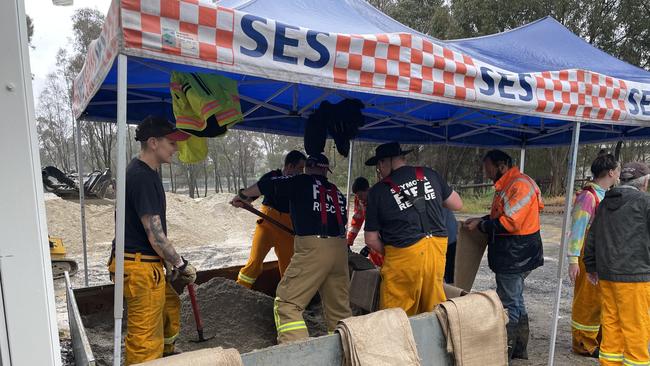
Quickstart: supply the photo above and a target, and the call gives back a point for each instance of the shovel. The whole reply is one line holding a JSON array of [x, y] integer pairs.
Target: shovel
[[197, 315], [255, 211]]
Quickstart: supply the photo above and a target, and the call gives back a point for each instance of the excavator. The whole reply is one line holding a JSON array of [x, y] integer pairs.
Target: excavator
[[60, 263]]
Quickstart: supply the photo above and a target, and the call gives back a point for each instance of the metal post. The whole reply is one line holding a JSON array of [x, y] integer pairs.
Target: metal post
[[522, 158], [120, 207], [568, 202], [350, 159], [82, 196]]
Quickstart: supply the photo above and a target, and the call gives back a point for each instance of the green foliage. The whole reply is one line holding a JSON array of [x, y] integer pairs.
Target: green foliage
[[618, 27], [87, 25], [477, 203]]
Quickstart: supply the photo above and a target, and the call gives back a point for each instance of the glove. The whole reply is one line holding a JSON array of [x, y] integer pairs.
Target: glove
[[365, 251], [186, 272], [376, 258], [171, 274]]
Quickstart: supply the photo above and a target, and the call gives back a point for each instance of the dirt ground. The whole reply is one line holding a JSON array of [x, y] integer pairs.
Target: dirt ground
[[539, 297], [212, 234]]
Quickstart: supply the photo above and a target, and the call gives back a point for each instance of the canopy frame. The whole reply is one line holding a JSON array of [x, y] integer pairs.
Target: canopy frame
[[504, 123]]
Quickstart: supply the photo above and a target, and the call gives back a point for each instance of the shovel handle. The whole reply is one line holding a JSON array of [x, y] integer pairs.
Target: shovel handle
[[195, 308], [255, 211]]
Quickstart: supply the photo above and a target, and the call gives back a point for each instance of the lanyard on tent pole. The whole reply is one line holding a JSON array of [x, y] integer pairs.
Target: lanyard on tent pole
[[564, 239], [120, 208]]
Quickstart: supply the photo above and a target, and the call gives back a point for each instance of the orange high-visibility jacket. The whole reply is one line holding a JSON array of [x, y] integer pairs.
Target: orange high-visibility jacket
[[517, 203], [514, 240]]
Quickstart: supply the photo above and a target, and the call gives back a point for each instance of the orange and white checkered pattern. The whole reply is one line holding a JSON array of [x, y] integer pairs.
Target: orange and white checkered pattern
[[189, 28], [99, 59], [580, 93], [404, 62]]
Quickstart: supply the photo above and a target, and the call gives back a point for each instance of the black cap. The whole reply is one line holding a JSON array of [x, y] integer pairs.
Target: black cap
[[157, 126], [319, 160], [387, 150]]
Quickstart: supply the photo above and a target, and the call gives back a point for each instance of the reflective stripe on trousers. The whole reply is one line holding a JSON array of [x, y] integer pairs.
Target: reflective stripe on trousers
[[243, 277], [625, 323]]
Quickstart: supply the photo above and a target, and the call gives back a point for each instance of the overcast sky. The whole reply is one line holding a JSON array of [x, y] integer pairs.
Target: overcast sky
[[52, 30]]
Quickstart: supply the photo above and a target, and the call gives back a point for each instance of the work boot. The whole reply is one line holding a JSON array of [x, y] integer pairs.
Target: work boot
[[521, 344], [512, 332], [171, 350]]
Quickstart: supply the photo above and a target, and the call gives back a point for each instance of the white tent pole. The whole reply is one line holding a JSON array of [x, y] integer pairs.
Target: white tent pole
[[522, 158], [350, 159], [568, 202], [120, 207], [82, 196]]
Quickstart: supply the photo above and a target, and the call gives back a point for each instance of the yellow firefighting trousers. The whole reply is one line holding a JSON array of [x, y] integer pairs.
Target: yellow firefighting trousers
[[412, 277], [318, 264], [153, 309], [585, 314], [625, 323], [268, 236]]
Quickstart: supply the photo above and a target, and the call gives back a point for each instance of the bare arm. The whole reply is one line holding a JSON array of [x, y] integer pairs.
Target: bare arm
[[453, 202], [252, 191], [374, 241], [159, 241]]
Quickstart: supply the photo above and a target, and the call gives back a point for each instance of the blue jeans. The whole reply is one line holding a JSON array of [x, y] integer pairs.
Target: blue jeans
[[510, 288]]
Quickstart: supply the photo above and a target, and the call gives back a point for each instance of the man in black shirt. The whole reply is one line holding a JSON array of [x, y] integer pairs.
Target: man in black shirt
[[320, 259], [405, 222], [153, 307], [268, 235]]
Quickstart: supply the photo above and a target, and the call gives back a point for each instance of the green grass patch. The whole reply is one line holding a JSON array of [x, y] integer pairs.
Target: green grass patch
[[477, 203], [481, 203]]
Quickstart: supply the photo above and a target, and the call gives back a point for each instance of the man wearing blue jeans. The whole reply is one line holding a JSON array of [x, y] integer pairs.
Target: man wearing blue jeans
[[514, 241], [510, 288]]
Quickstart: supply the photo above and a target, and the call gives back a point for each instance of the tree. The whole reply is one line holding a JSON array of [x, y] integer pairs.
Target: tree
[[87, 25], [100, 137], [53, 123]]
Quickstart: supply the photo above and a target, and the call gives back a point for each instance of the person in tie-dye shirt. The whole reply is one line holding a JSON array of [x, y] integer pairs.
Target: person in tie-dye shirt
[[585, 318]]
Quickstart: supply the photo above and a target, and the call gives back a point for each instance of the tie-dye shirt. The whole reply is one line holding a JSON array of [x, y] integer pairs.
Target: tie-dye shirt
[[583, 212]]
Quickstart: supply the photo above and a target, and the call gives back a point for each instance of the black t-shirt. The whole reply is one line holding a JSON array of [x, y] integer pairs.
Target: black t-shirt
[[279, 203], [302, 192], [145, 195], [393, 215]]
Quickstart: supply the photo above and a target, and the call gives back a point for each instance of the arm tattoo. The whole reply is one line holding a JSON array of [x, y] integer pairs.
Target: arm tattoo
[[159, 241]]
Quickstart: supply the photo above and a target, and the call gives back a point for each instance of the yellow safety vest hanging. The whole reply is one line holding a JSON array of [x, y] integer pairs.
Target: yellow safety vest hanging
[[198, 100]]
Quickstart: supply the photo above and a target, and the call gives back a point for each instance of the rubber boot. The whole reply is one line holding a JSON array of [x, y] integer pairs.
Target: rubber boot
[[521, 344], [512, 332]]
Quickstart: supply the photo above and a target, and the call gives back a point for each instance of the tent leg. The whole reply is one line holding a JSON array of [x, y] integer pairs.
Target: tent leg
[[563, 243], [120, 207], [522, 159], [82, 199], [350, 159]]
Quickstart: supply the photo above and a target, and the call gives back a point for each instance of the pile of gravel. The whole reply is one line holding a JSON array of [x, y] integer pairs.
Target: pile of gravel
[[236, 316]]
